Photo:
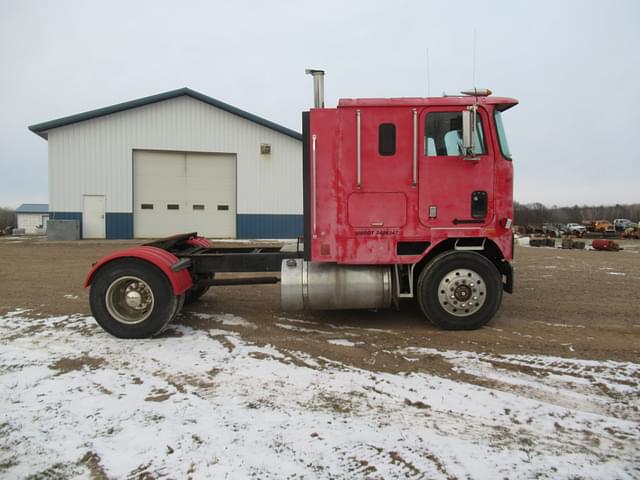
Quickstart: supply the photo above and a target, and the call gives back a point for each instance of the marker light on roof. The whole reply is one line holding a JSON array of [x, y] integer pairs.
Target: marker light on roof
[[477, 92]]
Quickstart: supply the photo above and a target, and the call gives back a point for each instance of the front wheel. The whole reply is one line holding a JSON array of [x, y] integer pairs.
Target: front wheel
[[131, 298], [459, 290]]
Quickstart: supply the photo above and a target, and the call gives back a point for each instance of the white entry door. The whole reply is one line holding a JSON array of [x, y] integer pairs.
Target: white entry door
[[93, 210]]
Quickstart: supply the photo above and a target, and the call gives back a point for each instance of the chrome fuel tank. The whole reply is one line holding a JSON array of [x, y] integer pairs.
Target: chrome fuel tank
[[329, 286]]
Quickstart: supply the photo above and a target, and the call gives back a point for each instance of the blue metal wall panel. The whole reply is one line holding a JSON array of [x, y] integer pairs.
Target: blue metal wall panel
[[119, 226], [248, 226], [268, 226], [67, 216]]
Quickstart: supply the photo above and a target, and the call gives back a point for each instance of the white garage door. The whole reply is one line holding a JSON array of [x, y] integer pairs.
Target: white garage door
[[177, 192]]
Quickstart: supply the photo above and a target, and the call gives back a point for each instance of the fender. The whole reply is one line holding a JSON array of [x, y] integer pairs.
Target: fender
[[494, 250], [180, 279]]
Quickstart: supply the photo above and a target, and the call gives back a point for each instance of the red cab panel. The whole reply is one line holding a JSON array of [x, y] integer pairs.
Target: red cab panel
[[368, 210]]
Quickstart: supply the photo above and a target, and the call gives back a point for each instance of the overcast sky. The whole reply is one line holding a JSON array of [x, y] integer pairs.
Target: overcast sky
[[574, 66]]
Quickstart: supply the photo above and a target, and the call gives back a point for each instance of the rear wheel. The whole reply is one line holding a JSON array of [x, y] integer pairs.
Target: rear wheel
[[179, 305], [459, 290], [131, 298]]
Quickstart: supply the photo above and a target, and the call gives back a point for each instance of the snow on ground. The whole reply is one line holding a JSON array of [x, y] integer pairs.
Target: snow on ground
[[343, 342], [227, 319], [78, 403]]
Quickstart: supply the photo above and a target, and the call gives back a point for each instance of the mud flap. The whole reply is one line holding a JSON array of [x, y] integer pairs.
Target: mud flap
[[507, 272]]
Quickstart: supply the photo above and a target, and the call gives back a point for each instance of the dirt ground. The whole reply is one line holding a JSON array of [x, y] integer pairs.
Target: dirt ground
[[237, 388], [569, 303]]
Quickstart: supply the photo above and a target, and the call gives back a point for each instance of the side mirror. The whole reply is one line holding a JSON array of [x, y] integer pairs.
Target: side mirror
[[468, 133]]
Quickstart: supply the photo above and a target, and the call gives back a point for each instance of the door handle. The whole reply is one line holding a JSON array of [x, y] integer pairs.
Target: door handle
[[358, 150], [415, 147], [315, 185]]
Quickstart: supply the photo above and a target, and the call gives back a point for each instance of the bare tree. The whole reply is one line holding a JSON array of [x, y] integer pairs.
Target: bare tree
[[8, 217], [537, 213]]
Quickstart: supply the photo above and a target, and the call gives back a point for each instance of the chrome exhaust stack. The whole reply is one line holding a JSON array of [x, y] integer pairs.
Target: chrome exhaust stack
[[318, 87]]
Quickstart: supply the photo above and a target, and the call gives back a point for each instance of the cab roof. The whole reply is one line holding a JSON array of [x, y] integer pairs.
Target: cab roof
[[503, 103]]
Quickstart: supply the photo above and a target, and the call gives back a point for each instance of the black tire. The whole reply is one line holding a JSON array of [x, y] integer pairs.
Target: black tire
[[179, 305], [459, 290], [109, 298]]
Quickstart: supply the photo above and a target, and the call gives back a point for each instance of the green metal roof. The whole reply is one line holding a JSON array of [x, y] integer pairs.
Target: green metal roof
[[42, 128]]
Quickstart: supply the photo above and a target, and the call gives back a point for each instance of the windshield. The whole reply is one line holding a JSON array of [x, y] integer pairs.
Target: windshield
[[502, 137]]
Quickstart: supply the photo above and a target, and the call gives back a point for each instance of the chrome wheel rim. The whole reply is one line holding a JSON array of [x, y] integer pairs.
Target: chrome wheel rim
[[129, 300], [462, 292]]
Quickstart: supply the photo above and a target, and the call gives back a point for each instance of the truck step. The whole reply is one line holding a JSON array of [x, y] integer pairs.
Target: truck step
[[239, 281]]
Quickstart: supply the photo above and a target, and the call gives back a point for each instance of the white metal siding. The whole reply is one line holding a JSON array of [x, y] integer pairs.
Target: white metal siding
[[31, 221], [94, 157], [184, 181]]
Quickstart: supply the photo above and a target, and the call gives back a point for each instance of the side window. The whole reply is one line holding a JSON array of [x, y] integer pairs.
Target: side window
[[443, 135], [387, 139]]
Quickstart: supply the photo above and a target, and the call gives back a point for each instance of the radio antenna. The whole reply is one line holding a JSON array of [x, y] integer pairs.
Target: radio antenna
[[474, 58], [428, 76]]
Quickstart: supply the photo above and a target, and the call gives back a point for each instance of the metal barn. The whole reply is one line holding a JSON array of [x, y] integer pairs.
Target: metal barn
[[175, 162], [33, 217]]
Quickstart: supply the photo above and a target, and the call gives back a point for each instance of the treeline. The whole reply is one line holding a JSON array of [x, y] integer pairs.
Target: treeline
[[536, 213], [8, 218]]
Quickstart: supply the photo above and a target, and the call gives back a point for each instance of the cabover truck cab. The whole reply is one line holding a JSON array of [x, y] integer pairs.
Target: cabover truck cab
[[403, 198]]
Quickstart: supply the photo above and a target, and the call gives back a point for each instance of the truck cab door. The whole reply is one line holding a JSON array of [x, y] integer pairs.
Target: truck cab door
[[454, 191]]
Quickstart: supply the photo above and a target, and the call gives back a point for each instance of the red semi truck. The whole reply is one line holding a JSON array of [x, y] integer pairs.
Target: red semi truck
[[403, 198]]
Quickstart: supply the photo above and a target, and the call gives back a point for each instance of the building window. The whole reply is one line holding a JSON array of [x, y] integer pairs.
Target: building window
[[443, 135], [173, 206], [146, 206], [198, 206], [223, 207], [387, 139]]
